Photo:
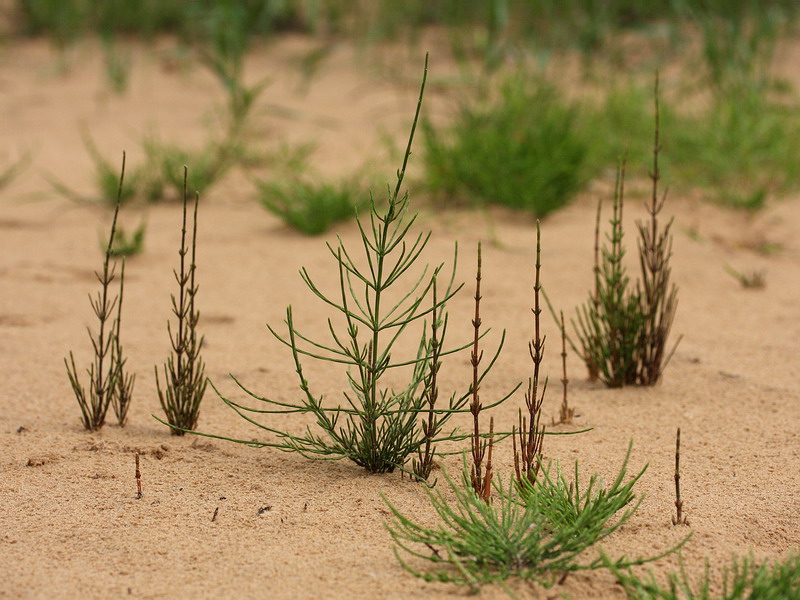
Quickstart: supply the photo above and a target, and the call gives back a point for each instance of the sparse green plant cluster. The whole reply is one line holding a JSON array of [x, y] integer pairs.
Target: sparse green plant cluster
[[534, 530], [537, 528], [129, 245], [742, 580], [525, 150], [311, 206], [487, 29]]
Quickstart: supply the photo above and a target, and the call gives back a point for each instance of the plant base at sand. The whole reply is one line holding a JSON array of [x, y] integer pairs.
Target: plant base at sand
[[537, 531]]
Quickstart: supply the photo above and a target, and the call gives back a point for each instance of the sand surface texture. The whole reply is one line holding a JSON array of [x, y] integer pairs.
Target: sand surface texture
[[286, 527]]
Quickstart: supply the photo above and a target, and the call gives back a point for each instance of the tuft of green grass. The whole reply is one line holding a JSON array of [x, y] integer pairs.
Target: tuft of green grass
[[536, 530], [742, 148], [742, 580], [167, 161], [749, 280], [125, 245], [312, 207], [524, 149]]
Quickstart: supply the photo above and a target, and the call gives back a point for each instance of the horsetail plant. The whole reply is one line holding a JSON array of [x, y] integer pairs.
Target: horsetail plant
[[623, 328], [610, 324], [123, 390], [423, 464], [528, 439], [659, 297], [376, 426], [184, 372], [107, 367], [565, 413], [481, 449]]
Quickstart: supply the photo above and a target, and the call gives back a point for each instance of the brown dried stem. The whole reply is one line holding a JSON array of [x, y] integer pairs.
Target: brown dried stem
[[481, 482], [658, 296], [423, 464], [138, 478], [566, 413], [679, 519], [103, 372], [527, 441]]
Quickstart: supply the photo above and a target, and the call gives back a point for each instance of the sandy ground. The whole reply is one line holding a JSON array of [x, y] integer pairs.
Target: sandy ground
[[70, 525]]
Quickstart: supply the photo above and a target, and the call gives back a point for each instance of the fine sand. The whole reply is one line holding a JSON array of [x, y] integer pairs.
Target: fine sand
[[70, 524]]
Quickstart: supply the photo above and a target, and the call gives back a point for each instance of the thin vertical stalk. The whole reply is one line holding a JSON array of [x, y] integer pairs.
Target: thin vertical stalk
[[566, 413], [679, 519], [123, 391], [423, 464], [480, 483], [530, 437]]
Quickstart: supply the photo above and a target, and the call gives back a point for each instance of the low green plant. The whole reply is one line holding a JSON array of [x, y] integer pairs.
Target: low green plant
[[741, 149], [106, 179], [184, 372], [166, 161], [376, 425], [750, 280], [106, 370], [534, 530], [128, 245], [523, 150], [742, 580], [9, 173], [117, 63], [312, 207]]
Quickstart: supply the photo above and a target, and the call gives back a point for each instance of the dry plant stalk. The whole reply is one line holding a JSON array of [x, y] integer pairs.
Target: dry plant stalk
[[659, 297], [566, 413], [481, 481], [106, 369], [138, 479], [590, 364], [184, 372], [423, 464], [527, 441], [679, 519]]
